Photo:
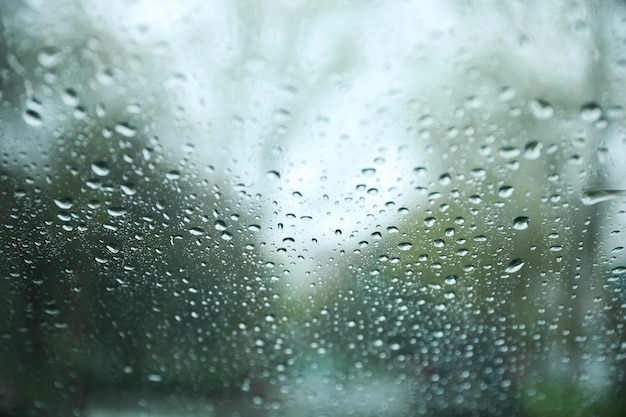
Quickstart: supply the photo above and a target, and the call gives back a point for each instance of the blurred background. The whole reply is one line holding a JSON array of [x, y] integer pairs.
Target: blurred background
[[294, 208]]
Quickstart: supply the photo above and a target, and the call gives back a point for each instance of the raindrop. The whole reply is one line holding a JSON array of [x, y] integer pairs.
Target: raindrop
[[532, 150], [509, 152], [226, 235], [619, 270], [155, 378], [63, 202], [32, 118], [274, 175], [196, 231], [254, 228], [70, 97], [590, 112], [405, 245], [126, 129], [368, 172], [430, 221], [505, 191], [128, 189], [113, 247], [172, 175], [100, 168], [521, 223], [514, 266], [541, 109], [116, 211], [590, 197], [450, 280]]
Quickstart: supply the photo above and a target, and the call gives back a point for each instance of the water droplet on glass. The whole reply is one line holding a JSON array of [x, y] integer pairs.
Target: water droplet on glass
[[63, 202], [155, 378], [32, 118], [521, 223], [226, 235], [254, 228], [509, 152], [450, 280], [514, 266], [590, 197], [100, 168], [532, 150], [70, 97], [590, 112], [128, 189], [125, 129], [541, 109], [196, 231], [116, 211], [368, 172], [619, 270], [405, 245], [430, 221], [172, 175], [505, 191], [274, 175]]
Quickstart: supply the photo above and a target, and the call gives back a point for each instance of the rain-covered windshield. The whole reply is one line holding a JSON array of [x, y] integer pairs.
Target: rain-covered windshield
[[312, 208]]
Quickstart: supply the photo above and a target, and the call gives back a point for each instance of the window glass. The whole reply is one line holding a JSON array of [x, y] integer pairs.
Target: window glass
[[325, 208]]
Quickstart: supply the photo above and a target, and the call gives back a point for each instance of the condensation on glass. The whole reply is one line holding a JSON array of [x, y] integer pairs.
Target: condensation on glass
[[324, 208]]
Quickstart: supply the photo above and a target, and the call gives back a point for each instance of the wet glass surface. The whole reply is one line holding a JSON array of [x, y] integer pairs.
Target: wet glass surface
[[326, 208]]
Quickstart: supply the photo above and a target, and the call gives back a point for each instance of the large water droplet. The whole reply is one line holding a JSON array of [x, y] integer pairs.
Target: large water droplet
[[514, 266], [32, 118], [116, 211], [63, 202], [590, 112], [541, 109], [590, 197], [532, 150], [126, 129], [521, 223], [405, 245], [100, 168]]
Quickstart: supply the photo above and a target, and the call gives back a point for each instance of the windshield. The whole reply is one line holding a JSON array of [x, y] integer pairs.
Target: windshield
[[325, 208]]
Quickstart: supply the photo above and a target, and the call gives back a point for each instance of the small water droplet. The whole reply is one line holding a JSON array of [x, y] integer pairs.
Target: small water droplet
[[541, 109], [254, 228], [590, 112], [514, 266], [128, 189], [430, 221], [505, 191], [619, 270], [450, 280], [368, 172], [113, 247], [116, 211], [532, 150], [590, 197], [521, 223], [126, 129], [100, 168], [32, 118], [509, 152], [274, 175], [155, 378], [63, 202], [405, 245], [172, 175], [196, 231], [226, 235]]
